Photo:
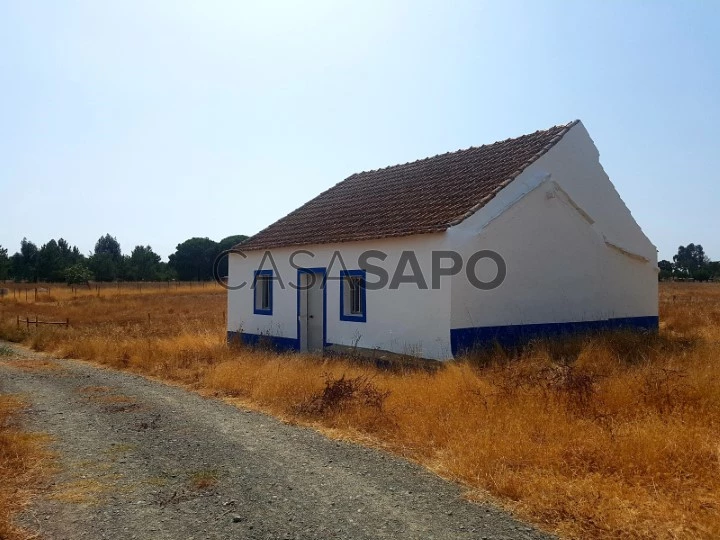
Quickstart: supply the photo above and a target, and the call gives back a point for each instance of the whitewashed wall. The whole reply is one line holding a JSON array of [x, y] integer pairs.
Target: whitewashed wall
[[405, 320], [560, 267]]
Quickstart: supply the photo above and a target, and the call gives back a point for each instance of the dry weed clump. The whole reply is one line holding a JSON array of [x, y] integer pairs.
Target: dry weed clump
[[606, 435], [341, 394]]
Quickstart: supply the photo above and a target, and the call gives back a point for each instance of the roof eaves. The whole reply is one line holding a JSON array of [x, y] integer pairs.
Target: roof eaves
[[356, 238]]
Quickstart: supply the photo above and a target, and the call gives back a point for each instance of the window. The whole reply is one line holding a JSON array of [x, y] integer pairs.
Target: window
[[352, 296], [263, 292]]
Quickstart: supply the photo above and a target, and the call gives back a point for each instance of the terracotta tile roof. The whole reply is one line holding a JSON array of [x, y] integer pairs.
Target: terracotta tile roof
[[425, 196]]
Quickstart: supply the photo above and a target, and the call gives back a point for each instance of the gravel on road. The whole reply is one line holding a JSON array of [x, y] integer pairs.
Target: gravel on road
[[142, 459]]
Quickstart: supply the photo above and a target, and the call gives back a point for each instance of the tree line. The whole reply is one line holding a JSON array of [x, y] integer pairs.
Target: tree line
[[690, 262], [58, 261]]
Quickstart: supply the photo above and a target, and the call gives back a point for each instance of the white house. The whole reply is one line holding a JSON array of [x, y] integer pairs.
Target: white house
[[502, 242]]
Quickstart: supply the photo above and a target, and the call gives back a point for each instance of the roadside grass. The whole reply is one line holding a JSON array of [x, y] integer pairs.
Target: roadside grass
[[83, 491], [23, 463], [609, 435], [33, 365]]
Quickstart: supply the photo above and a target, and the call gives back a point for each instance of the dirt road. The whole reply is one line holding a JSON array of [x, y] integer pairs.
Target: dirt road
[[140, 459]]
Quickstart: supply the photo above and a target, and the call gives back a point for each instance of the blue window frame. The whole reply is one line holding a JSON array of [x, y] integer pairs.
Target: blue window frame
[[263, 292], [353, 307]]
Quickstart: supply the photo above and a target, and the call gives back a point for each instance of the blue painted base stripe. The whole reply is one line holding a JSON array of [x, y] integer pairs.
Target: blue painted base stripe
[[467, 339], [280, 344]]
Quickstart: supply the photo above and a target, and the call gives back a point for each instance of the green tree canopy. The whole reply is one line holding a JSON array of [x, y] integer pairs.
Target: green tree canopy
[[108, 245], [691, 261], [78, 273], [26, 265], [104, 267], [106, 261], [224, 245], [50, 262], [666, 269], [193, 259], [143, 264], [4, 263], [69, 255]]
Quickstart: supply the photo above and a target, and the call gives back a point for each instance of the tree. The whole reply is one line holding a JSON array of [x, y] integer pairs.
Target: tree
[[224, 245], [28, 261], [106, 260], [701, 274], [666, 269], [193, 259], [4, 264], [165, 272], [69, 255], [50, 262], [691, 260], [108, 245], [78, 273], [104, 267], [714, 269], [143, 264], [17, 268]]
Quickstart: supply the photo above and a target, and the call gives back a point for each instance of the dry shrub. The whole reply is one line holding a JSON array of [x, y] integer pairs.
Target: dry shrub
[[341, 394], [10, 332]]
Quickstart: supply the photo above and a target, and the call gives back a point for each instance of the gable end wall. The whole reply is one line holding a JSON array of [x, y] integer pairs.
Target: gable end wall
[[575, 257]]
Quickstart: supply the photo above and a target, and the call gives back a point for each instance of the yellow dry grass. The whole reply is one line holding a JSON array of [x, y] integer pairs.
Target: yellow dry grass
[[33, 365], [612, 435], [22, 459]]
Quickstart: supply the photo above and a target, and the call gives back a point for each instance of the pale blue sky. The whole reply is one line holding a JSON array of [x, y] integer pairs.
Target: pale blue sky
[[156, 121]]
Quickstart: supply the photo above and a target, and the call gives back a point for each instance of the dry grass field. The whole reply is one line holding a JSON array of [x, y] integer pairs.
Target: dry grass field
[[611, 435]]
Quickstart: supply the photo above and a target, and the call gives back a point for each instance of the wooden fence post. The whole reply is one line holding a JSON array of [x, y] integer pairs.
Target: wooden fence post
[[27, 320], [18, 321], [67, 322], [36, 294]]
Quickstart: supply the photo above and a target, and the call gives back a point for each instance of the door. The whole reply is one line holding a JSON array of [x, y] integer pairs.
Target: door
[[311, 312]]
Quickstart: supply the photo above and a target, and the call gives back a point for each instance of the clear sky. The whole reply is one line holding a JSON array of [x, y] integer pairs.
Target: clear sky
[[157, 121]]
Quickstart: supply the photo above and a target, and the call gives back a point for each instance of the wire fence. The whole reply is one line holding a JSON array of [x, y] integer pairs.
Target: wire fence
[[28, 321], [36, 292]]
